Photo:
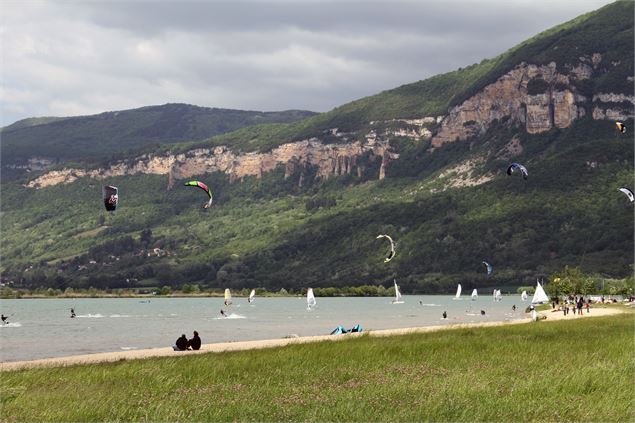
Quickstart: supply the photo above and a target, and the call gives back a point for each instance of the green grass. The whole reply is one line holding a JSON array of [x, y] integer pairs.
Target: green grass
[[579, 370]]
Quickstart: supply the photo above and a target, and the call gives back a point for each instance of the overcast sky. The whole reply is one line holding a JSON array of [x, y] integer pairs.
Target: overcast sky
[[63, 58]]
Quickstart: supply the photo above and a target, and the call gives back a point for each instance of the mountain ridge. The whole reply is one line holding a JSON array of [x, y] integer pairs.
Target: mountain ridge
[[301, 204]]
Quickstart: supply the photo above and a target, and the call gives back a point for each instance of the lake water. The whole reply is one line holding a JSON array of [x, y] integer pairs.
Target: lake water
[[42, 328]]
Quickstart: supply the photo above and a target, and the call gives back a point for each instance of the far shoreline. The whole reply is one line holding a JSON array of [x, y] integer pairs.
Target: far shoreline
[[108, 357]]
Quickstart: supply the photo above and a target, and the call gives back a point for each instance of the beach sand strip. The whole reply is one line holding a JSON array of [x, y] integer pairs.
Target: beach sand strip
[[274, 343]]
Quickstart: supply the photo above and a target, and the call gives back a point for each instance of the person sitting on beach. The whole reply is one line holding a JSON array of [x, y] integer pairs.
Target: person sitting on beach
[[181, 344], [445, 315], [195, 342]]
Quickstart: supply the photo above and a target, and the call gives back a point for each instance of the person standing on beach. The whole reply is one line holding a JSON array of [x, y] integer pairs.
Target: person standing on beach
[[195, 342]]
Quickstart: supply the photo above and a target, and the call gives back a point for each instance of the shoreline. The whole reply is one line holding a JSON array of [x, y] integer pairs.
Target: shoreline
[[274, 343]]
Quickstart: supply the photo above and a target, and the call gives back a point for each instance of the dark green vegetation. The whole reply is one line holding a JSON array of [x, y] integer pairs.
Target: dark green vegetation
[[273, 233], [258, 234], [578, 370], [113, 135]]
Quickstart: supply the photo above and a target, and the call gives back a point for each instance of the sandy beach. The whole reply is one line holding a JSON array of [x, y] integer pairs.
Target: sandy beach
[[273, 343]]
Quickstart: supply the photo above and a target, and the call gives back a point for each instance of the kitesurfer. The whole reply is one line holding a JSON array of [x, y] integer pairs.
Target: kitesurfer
[[445, 314], [195, 342], [72, 313], [482, 312], [222, 313], [514, 307], [4, 319], [181, 344]]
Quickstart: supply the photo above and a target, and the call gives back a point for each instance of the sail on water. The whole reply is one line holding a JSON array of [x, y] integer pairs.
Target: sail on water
[[474, 295], [252, 296], [458, 293], [540, 296], [228, 297], [523, 296], [310, 299], [397, 299]]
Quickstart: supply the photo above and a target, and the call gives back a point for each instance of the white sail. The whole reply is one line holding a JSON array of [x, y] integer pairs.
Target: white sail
[[397, 299], [252, 296], [458, 292], [310, 299], [228, 297], [498, 296], [474, 295], [539, 296], [523, 296]]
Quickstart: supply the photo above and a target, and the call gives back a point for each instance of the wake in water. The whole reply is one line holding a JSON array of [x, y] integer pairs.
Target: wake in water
[[90, 316], [119, 315], [230, 316], [430, 305], [11, 325]]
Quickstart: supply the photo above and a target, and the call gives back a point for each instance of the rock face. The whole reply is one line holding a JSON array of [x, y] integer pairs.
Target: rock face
[[557, 106], [536, 97], [329, 159], [509, 97]]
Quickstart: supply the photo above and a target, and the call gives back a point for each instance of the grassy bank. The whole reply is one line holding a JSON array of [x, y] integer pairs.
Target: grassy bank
[[563, 371]]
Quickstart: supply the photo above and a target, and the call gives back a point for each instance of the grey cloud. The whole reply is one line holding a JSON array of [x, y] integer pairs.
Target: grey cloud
[[61, 58]]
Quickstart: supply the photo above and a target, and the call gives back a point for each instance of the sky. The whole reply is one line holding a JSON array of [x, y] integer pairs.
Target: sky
[[68, 58]]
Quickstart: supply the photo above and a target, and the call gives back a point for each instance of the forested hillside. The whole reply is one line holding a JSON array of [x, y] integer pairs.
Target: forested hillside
[[301, 204], [119, 134]]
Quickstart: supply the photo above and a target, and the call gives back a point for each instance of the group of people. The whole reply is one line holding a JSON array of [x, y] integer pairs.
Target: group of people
[[577, 304], [183, 344]]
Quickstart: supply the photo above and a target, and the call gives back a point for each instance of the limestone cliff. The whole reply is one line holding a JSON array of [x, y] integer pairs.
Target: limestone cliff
[[329, 159], [557, 105]]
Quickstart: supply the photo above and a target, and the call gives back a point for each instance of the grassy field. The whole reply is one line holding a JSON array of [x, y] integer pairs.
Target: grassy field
[[557, 371]]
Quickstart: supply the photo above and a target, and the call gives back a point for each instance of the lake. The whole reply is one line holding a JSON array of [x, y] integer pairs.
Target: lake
[[42, 328]]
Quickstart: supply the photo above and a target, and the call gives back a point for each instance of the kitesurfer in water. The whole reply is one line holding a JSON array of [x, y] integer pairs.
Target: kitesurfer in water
[[195, 342], [222, 313], [72, 313], [445, 314], [482, 312], [4, 319], [514, 307]]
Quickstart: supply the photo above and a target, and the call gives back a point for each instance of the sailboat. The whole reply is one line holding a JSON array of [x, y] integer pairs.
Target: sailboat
[[228, 297], [497, 295], [523, 296], [458, 293], [252, 296], [397, 299], [310, 299], [539, 296], [474, 295]]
